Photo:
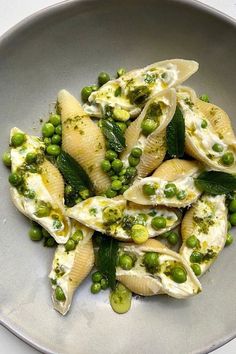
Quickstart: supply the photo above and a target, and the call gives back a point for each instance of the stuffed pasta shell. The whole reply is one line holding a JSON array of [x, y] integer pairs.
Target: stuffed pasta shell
[[71, 264], [209, 134], [148, 132], [83, 140], [37, 187], [124, 221], [133, 89], [172, 185], [155, 269], [204, 231]]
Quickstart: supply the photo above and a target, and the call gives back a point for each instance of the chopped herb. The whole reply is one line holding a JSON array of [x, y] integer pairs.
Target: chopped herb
[[150, 78], [93, 211]]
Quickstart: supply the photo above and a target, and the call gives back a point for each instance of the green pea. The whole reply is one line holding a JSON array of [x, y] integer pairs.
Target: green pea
[[117, 165], [139, 233], [111, 155], [84, 193], [29, 194], [232, 206], [133, 161], [43, 210], [116, 185], [148, 126], [229, 239], [77, 236], [131, 172], [35, 233], [196, 269], [103, 78], [170, 190], [205, 98], [122, 126], [204, 124], [120, 72], [181, 195], [126, 262], [70, 245], [217, 147], [122, 179], [68, 189], [151, 260], [58, 129], [158, 222], [31, 157], [192, 241], [196, 257], [45, 233], [229, 226], [136, 152], [59, 294], [165, 234], [104, 284], [53, 150], [86, 92], [18, 139], [56, 139], [106, 165], [48, 130], [173, 238], [97, 277], [148, 189], [49, 242], [47, 141], [114, 178], [55, 119], [15, 179], [111, 215], [110, 193], [95, 288], [122, 172], [232, 219], [6, 158], [178, 274], [227, 159]]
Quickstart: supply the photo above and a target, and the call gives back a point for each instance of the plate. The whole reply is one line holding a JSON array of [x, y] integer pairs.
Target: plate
[[66, 46]]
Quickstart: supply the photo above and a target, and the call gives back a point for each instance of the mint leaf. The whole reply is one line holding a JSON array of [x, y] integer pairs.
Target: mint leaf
[[114, 135], [106, 260], [175, 135], [214, 182], [73, 173]]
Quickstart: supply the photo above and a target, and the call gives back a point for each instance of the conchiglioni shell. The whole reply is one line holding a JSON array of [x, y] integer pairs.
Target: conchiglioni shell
[[48, 178], [82, 265], [215, 238], [154, 146], [82, 213], [184, 69], [221, 125], [145, 283], [83, 140], [174, 170]]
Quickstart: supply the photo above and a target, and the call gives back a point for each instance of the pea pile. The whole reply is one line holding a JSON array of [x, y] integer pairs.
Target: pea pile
[[37, 233], [170, 190], [99, 282], [51, 132]]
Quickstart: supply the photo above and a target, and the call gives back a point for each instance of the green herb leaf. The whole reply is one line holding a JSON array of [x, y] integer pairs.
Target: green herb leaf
[[214, 182], [175, 135], [106, 260], [114, 135], [73, 173]]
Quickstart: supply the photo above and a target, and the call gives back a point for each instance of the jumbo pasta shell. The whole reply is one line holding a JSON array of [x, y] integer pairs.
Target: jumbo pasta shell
[[83, 140], [77, 265], [179, 172], [140, 281], [207, 220], [200, 139], [154, 78], [91, 213], [153, 146], [48, 187]]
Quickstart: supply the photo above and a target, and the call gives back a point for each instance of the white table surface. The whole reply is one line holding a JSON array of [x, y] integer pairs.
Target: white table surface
[[14, 11]]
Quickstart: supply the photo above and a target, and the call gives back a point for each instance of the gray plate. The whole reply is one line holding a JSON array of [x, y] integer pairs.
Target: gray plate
[[65, 46]]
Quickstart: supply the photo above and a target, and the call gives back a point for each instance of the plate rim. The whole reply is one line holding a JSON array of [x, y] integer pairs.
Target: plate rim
[[37, 16]]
